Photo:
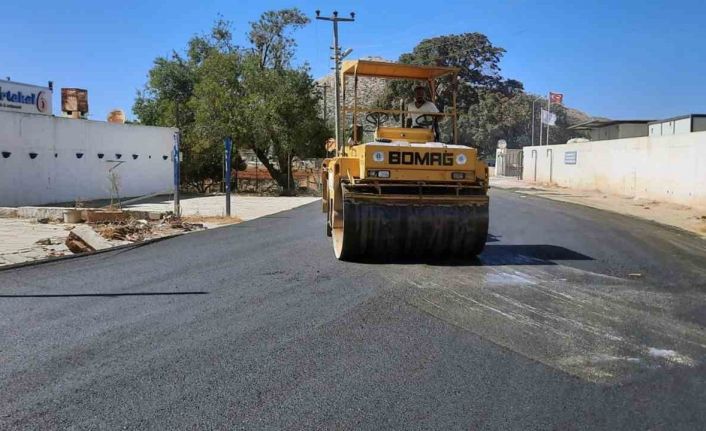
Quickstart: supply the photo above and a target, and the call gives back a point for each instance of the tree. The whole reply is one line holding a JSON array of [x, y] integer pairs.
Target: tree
[[490, 107], [251, 94], [478, 62], [270, 37]]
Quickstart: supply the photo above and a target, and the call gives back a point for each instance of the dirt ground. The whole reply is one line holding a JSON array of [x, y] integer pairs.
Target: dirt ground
[[680, 216]]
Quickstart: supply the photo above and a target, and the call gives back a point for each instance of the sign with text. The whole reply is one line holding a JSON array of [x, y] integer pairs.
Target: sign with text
[[570, 158], [25, 98]]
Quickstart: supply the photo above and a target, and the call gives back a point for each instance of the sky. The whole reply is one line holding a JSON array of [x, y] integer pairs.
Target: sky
[[617, 59]]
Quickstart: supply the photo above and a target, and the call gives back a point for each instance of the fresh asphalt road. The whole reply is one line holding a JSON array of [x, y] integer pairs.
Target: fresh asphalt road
[[572, 318]]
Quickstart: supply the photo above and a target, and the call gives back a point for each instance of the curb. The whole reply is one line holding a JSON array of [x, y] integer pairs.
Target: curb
[[88, 253]]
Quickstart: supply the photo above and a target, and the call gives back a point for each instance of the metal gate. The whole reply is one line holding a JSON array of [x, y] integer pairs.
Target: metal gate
[[508, 163]]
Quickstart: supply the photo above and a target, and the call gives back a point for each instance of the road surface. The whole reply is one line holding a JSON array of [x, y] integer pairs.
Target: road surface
[[572, 318]]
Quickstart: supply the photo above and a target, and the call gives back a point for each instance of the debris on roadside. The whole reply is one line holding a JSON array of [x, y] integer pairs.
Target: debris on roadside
[[635, 275], [83, 238], [43, 220], [179, 223], [132, 231]]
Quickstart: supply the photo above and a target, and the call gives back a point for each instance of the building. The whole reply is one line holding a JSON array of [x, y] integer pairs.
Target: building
[[602, 130], [677, 125]]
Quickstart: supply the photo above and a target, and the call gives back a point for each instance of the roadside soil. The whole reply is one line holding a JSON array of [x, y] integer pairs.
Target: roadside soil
[[680, 216]]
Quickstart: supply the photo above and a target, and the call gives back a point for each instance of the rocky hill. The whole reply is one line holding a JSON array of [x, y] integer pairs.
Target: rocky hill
[[369, 90]]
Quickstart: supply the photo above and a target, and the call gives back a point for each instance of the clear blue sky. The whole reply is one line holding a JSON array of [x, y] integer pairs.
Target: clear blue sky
[[629, 59]]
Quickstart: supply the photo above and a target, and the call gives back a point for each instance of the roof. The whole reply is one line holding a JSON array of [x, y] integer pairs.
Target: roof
[[680, 117], [592, 124], [383, 69]]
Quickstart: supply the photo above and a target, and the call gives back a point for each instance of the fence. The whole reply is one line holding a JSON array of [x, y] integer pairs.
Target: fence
[[508, 162]]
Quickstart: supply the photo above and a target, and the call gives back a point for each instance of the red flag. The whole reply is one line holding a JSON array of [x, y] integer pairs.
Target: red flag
[[557, 98]]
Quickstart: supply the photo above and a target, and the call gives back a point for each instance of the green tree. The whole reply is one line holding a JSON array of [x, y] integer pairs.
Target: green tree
[[490, 107], [251, 94], [478, 62]]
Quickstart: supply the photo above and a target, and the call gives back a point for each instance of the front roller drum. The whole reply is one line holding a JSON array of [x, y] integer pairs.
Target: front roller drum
[[409, 230]]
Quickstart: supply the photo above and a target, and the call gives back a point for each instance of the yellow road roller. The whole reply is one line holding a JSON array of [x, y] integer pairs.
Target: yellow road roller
[[401, 192]]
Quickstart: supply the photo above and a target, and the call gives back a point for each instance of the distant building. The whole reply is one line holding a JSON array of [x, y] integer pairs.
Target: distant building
[[677, 125], [601, 130]]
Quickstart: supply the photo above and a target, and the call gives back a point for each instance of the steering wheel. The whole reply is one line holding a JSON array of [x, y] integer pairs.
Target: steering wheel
[[425, 120], [376, 118]]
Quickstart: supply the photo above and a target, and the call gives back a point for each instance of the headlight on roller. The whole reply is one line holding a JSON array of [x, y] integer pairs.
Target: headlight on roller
[[458, 175]]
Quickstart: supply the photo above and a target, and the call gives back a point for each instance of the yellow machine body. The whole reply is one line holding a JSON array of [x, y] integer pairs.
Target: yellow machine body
[[404, 194]]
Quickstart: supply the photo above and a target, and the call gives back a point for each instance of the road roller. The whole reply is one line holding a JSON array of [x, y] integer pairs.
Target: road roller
[[401, 192]]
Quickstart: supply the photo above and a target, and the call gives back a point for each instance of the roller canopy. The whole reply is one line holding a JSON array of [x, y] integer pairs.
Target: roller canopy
[[381, 69]]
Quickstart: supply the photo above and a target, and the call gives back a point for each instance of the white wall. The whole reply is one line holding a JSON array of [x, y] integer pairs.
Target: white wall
[[682, 126], [665, 168], [57, 175]]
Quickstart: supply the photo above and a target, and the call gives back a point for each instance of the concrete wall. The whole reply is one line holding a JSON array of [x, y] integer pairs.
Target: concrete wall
[[57, 174], [666, 168]]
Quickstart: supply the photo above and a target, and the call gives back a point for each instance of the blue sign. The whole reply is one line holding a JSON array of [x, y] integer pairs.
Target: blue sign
[[570, 158]]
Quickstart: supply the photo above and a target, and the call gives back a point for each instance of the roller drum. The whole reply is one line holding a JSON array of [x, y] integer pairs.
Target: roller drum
[[414, 230]]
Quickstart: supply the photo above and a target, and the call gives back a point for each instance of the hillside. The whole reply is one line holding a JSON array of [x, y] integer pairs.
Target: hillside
[[370, 89]]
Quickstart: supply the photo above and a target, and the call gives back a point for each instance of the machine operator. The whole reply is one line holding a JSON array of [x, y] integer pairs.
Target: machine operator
[[420, 105]]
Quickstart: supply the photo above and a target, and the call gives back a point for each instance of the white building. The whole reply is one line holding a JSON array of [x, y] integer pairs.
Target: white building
[[683, 124], [601, 130]]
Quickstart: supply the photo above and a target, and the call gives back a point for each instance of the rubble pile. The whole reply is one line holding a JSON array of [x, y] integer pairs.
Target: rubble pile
[[132, 231]]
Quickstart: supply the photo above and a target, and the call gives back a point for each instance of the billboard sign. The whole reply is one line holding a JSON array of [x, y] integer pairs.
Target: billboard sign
[[25, 98]]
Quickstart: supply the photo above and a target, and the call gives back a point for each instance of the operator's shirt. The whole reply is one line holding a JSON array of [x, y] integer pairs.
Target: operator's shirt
[[427, 106]]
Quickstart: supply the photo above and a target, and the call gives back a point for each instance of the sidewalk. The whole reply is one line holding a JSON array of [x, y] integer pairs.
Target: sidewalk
[[243, 207], [24, 239], [681, 216]]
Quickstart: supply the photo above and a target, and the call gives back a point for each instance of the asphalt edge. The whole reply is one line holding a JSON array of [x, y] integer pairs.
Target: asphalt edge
[[55, 259]]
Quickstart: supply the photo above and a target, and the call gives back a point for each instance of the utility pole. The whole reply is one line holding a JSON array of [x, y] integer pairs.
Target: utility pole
[[337, 57], [325, 87]]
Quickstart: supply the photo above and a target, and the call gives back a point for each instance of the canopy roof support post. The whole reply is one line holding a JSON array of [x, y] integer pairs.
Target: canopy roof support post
[[454, 117], [355, 108]]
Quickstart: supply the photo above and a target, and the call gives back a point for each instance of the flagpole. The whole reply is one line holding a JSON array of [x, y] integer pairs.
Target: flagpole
[[540, 123], [549, 109]]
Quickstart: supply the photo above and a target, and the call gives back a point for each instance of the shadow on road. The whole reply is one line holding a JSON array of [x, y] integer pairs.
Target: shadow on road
[[495, 255], [100, 295], [527, 254]]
